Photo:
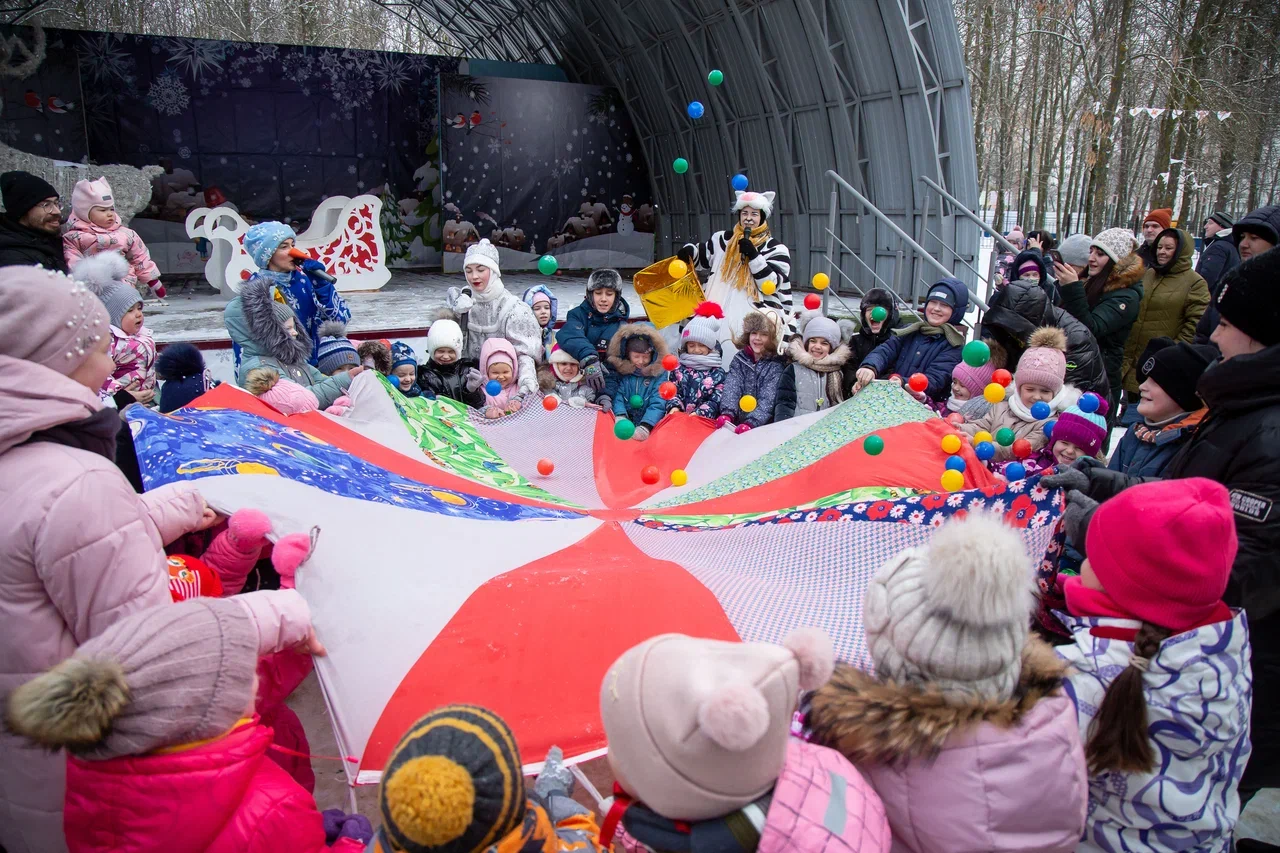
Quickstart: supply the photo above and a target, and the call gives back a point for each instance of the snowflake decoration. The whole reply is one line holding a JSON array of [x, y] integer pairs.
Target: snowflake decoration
[[329, 62], [168, 95], [351, 170], [628, 157], [389, 71], [494, 145], [245, 82], [298, 67], [266, 53], [9, 133], [196, 57], [184, 152], [105, 63]]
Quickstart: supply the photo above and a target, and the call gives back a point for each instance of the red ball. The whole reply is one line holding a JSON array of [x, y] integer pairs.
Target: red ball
[[955, 419], [550, 402], [1002, 377], [918, 382], [670, 362], [1021, 448], [650, 474], [545, 467], [813, 302], [667, 390]]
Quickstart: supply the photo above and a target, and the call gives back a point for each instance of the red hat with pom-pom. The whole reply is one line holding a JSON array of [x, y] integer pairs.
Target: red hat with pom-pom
[[704, 328], [192, 578]]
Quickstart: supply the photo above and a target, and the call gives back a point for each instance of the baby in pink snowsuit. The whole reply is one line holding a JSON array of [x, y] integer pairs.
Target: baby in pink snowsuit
[[94, 226]]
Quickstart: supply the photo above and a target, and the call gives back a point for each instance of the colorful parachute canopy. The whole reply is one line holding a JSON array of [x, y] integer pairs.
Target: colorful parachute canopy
[[448, 570]]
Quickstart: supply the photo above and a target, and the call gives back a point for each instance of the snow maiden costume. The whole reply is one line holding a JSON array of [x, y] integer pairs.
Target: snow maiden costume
[[740, 267], [496, 313]]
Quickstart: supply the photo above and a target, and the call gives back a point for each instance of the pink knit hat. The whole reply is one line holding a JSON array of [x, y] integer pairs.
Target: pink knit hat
[[90, 194], [698, 728], [289, 398], [1045, 361], [49, 319], [974, 379]]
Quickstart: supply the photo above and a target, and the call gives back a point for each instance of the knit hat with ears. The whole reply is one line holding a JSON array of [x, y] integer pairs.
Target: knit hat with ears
[[262, 240], [762, 202], [104, 274], [1045, 361], [704, 328], [48, 318], [954, 613], [1116, 242], [698, 728], [90, 194]]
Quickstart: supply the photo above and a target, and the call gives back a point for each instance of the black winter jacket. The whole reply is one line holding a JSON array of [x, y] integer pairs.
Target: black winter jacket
[[21, 246], [448, 380], [864, 340], [1218, 258]]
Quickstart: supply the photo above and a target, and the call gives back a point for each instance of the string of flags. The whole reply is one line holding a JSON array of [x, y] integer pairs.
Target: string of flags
[[1157, 112]]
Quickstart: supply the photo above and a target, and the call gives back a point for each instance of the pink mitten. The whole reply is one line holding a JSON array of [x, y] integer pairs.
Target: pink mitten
[[722, 420], [290, 553], [742, 428]]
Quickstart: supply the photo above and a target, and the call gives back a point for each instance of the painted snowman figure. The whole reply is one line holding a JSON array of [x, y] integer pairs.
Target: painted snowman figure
[[625, 211]]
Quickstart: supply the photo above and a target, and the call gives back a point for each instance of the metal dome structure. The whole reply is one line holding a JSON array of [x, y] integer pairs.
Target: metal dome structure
[[874, 90]]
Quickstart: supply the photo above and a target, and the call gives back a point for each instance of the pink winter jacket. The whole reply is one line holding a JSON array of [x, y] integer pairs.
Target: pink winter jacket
[[83, 238], [78, 550], [989, 775], [135, 359]]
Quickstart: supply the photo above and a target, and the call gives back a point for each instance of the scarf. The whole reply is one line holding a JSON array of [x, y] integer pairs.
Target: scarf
[[1148, 432], [954, 336], [496, 289], [1083, 601], [710, 361], [734, 269], [736, 832], [96, 433]]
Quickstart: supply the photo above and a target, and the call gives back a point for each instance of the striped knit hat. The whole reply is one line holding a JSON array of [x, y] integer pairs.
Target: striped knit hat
[[1086, 430], [453, 784], [335, 350]]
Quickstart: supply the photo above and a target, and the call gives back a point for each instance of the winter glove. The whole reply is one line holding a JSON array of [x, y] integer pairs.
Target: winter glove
[[472, 380], [724, 421], [577, 403], [742, 428], [642, 432], [686, 254], [458, 301], [593, 373], [156, 288], [1075, 521], [1068, 478], [339, 824], [311, 265], [555, 777], [748, 249], [529, 385], [606, 404]]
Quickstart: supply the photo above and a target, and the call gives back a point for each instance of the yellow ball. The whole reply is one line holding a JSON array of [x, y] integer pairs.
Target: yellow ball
[[821, 280], [993, 393], [952, 481], [981, 436], [679, 477], [747, 403], [677, 269], [951, 443], [768, 288]]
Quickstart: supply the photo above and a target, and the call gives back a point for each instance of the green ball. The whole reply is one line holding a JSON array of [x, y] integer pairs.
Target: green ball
[[681, 165], [873, 444], [624, 429], [879, 314], [976, 353], [547, 265], [716, 77], [1004, 436], [636, 401]]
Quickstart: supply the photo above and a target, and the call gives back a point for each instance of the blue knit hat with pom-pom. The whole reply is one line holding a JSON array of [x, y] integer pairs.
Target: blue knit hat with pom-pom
[[184, 378]]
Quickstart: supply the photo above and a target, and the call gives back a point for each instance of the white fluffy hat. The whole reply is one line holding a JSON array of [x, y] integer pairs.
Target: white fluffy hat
[[762, 202], [444, 333], [485, 254]]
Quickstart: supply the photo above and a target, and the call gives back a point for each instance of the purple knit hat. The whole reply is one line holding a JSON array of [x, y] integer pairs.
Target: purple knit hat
[[1086, 430], [975, 379]]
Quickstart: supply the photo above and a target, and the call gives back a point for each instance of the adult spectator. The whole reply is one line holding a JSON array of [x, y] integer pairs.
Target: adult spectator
[[1005, 261], [31, 224], [1174, 297], [1107, 301], [1218, 257], [1238, 445], [1257, 231], [1074, 252], [1156, 221]]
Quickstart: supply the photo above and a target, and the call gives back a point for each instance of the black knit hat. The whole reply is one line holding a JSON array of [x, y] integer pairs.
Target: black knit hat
[[1247, 297], [1221, 218], [23, 191], [1176, 367]]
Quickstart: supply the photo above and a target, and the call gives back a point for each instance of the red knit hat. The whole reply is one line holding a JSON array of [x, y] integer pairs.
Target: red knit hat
[[1163, 551], [1162, 216]]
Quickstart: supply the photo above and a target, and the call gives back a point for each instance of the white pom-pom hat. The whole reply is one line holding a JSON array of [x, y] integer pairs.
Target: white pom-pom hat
[[698, 728]]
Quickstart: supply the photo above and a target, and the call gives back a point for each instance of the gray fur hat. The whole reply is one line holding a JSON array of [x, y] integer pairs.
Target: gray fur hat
[[955, 613], [605, 279]]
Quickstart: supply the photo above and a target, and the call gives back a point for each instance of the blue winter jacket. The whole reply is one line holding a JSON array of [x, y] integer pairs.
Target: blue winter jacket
[[586, 332], [641, 382], [915, 352], [1140, 458]]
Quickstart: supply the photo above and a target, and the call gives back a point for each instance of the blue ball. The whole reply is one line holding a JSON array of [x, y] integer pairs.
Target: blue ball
[[984, 450], [1088, 403], [493, 388], [1015, 471], [740, 182], [696, 109], [1040, 410], [1048, 429], [955, 463]]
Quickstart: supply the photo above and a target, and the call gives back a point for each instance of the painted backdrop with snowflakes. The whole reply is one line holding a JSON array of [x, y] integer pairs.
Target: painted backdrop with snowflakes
[[538, 166]]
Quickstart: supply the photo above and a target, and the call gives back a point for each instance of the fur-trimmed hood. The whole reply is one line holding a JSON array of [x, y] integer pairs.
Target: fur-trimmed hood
[[376, 352], [618, 350], [260, 328], [832, 361], [1126, 273], [869, 720]]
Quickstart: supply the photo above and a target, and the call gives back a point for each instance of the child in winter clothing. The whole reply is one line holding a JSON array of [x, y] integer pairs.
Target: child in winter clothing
[[286, 397], [335, 353], [1039, 378], [707, 763], [1160, 668], [181, 368], [635, 354], [404, 369], [227, 560], [589, 328], [813, 380], [453, 784], [700, 376], [930, 346], [545, 307], [1168, 406], [870, 333], [376, 355], [160, 708], [498, 364], [964, 730], [132, 348], [446, 373], [967, 386], [1076, 433], [95, 227], [756, 371], [563, 378]]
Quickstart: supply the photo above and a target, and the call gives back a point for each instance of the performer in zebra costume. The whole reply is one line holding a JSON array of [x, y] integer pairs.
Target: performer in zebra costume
[[741, 261]]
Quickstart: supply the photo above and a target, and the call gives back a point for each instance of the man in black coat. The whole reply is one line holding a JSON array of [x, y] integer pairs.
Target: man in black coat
[[30, 227], [1238, 445]]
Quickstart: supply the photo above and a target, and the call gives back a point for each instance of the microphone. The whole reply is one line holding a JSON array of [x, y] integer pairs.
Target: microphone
[[323, 275], [746, 232]]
